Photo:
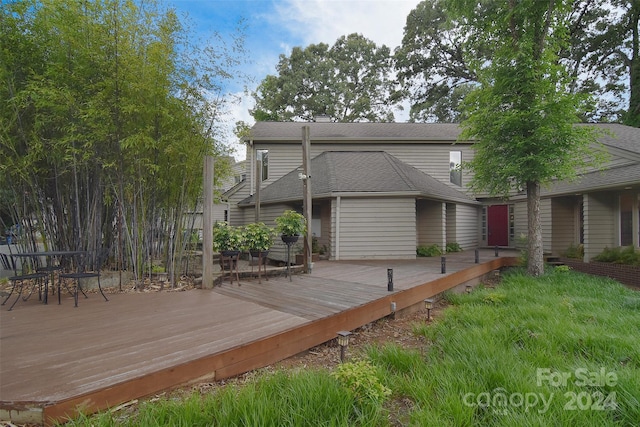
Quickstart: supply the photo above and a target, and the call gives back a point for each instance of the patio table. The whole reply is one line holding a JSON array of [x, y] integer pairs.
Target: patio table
[[50, 266]]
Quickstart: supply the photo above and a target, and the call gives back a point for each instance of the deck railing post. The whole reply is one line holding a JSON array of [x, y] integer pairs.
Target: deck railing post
[[443, 264], [390, 279], [477, 256], [496, 250]]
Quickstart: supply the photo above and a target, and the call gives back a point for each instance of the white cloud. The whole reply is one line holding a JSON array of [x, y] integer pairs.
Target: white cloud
[[238, 110], [325, 21]]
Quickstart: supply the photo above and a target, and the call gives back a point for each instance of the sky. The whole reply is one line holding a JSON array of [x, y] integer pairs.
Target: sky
[[274, 27]]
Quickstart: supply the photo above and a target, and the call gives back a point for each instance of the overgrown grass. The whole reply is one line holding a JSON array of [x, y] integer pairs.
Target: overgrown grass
[[298, 398], [557, 350]]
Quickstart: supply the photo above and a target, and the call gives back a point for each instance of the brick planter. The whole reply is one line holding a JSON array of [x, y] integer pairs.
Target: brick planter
[[627, 274]]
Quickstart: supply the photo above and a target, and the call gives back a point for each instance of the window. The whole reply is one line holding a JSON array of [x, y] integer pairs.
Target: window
[[455, 172], [263, 156]]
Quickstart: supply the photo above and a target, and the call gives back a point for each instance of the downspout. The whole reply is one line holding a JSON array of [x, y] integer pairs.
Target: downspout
[[250, 168], [337, 241]]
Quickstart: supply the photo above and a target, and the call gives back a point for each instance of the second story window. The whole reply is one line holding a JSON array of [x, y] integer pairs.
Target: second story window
[[263, 156], [455, 171]]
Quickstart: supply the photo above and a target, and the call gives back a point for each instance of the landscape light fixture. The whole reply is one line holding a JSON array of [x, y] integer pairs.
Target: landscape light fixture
[[428, 304], [343, 342], [469, 288]]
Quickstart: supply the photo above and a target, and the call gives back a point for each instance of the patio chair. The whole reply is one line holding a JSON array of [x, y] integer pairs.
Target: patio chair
[[25, 276], [88, 265], [7, 263]]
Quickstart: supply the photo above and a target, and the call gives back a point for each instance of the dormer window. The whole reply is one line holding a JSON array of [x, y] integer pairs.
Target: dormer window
[[455, 171], [263, 156]]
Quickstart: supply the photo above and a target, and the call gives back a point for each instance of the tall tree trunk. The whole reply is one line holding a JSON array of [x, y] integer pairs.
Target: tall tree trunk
[[535, 262], [633, 114]]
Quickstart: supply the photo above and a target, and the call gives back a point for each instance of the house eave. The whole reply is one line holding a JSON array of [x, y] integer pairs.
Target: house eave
[[414, 140], [629, 185], [366, 194]]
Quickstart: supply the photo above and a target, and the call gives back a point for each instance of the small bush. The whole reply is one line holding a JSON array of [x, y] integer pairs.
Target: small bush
[[627, 255], [363, 379], [453, 247], [494, 298], [574, 252], [562, 268], [426, 251]]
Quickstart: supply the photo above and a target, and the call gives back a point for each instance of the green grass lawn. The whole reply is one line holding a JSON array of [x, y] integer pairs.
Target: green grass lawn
[[558, 350]]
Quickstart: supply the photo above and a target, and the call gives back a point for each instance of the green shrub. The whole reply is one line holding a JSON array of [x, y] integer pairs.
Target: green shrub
[[363, 379], [562, 268], [574, 252], [425, 251], [494, 298], [627, 255], [453, 247]]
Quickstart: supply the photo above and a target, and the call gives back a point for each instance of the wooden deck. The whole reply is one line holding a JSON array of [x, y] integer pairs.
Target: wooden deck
[[56, 360]]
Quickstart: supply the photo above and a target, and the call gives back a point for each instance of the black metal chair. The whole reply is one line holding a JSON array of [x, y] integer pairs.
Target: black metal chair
[[88, 265], [27, 275], [6, 262]]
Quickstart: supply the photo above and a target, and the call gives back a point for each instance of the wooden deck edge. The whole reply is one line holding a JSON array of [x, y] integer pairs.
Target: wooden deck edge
[[260, 353]]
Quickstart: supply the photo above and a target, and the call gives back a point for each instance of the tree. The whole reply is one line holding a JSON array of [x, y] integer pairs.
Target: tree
[[106, 116], [522, 114], [615, 53], [599, 56], [432, 65], [347, 82]]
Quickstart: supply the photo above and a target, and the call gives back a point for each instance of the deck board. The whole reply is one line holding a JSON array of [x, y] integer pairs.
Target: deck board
[[113, 342], [53, 357]]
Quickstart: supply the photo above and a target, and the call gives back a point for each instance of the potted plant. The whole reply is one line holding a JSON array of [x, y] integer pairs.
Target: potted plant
[[227, 239], [291, 225], [258, 238]]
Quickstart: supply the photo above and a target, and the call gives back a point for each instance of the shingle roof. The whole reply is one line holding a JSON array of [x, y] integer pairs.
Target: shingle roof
[[370, 172], [620, 136], [284, 131], [609, 178]]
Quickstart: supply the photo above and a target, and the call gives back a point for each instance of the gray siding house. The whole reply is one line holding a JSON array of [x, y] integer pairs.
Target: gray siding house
[[381, 189]]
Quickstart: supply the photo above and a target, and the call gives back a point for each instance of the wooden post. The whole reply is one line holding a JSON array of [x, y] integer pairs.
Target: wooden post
[[207, 224], [306, 205]]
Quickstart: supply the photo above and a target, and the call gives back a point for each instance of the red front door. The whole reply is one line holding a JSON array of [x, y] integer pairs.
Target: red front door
[[498, 225]]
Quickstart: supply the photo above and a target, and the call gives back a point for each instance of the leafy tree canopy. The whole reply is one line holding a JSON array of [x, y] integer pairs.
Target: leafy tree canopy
[[107, 112], [435, 61], [522, 113], [348, 82]]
